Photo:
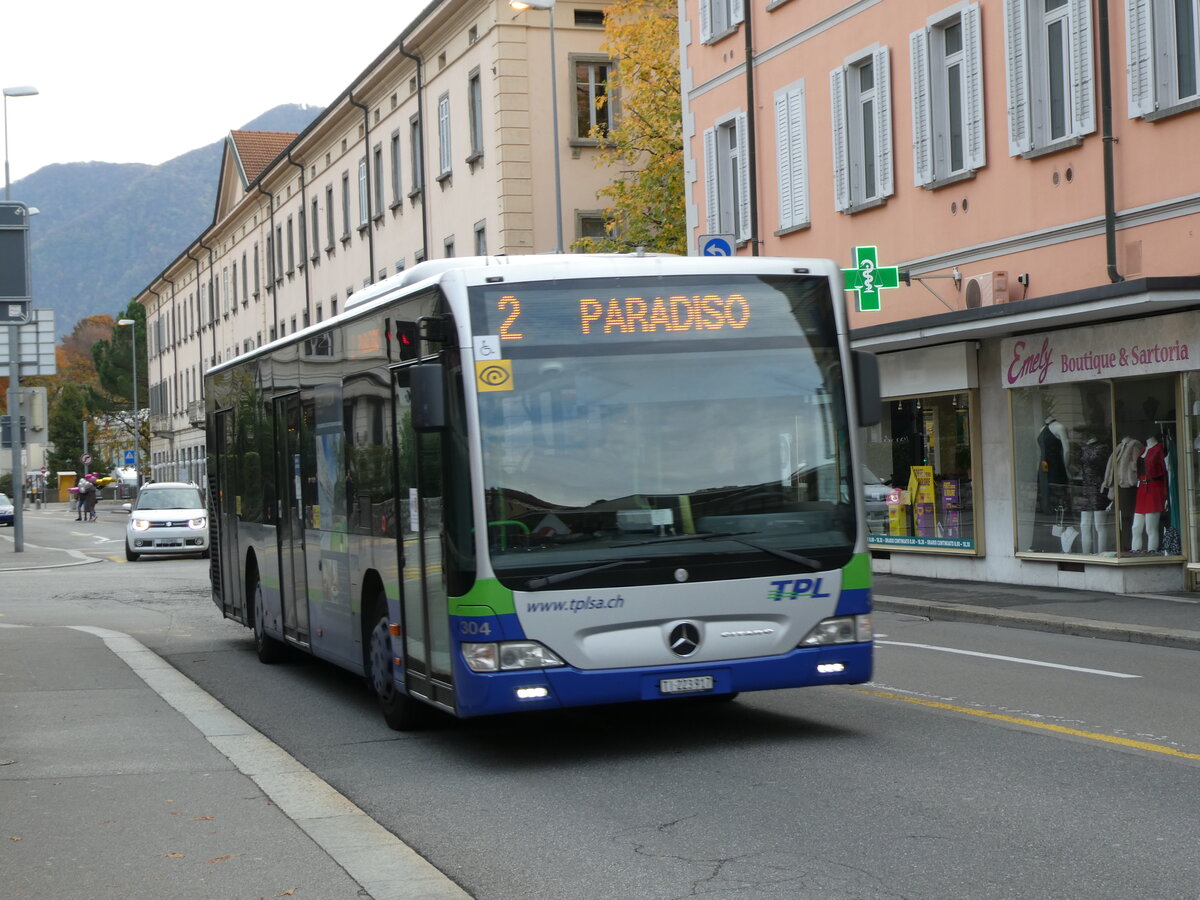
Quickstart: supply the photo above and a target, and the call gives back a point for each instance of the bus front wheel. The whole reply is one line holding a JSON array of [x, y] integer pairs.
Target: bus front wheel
[[269, 650], [400, 711]]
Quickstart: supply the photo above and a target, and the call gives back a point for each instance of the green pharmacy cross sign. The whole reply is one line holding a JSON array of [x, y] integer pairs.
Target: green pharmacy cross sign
[[868, 278]]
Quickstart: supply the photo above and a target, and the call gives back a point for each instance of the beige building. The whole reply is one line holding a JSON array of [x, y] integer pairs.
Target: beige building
[[1019, 176], [443, 146]]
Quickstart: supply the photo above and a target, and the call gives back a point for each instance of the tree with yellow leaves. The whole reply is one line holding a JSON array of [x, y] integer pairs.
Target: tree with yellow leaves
[[645, 146]]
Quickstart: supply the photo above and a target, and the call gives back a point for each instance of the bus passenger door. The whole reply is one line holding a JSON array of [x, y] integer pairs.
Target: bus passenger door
[[425, 608], [225, 558], [293, 580]]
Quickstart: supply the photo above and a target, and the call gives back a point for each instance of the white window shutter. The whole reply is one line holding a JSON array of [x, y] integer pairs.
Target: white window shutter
[[1020, 133], [976, 155], [1083, 75], [705, 21], [743, 173], [883, 121], [841, 152], [792, 156], [736, 11], [922, 113], [1139, 52], [711, 200]]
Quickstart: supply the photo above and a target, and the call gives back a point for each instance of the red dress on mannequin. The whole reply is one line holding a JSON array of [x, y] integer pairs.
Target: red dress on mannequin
[[1152, 480]]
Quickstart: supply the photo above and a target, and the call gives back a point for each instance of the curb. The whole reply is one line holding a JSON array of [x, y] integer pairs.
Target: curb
[[1109, 631]]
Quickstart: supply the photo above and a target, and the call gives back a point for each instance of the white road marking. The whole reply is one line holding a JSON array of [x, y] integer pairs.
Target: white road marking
[[1016, 659]]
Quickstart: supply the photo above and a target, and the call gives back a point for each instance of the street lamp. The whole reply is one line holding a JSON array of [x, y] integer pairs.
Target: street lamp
[[548, 5], [20, 91], [137, 429]]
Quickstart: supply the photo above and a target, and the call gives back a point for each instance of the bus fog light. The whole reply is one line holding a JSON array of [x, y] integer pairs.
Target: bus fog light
[[839, 630], [831, 668], [527, 655], [532, 693], [481, 657]]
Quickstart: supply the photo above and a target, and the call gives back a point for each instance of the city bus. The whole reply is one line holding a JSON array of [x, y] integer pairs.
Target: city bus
[[497, 484]]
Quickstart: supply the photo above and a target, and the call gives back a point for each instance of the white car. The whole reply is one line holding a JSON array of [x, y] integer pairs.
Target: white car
[[168, 517]]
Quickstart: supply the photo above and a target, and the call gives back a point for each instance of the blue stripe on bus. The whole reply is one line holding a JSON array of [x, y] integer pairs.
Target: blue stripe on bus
[[495, 692], [854, 601]]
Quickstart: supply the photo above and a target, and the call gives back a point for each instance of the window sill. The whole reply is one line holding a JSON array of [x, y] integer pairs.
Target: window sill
[[949, 180], [363, 226], [443, 179], [1172, 109], [716, 38], [476, 158], [414, 195], [1064, 144], [345, 239], [378, 218], [865, 205], [792, 229]]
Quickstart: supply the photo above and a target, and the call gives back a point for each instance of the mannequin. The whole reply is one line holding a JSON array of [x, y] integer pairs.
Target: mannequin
[[1151, 495], [1121, 478], [1053, 496], [1094, 504]]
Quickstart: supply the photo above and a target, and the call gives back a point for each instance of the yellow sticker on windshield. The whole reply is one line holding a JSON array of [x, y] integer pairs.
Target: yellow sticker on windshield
[[494, 375]]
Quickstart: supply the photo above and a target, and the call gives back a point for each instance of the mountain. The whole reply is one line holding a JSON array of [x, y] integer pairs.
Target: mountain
[[104, 230]]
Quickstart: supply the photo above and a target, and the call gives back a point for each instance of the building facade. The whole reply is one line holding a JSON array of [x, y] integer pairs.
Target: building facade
[[442, 146], [1007, 185]]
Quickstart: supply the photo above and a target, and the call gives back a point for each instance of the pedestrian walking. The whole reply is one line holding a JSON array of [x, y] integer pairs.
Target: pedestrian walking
[[92, 497]]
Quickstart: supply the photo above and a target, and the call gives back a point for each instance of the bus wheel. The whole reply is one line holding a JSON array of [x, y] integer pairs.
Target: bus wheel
[[270, 651], [400, 711]]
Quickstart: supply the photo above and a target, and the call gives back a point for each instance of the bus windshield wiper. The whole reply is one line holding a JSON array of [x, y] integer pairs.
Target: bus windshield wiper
[[536, 584], [736, 536]]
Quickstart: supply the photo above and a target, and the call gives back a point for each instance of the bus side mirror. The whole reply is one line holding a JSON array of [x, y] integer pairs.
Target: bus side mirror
[[866, 380], [428, 386]]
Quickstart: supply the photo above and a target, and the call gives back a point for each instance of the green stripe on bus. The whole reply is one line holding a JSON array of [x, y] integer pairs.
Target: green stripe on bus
[[486, 592], [856, 574]]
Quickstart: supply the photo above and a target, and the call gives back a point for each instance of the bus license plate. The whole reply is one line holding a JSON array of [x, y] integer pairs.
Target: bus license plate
[[686, 685]]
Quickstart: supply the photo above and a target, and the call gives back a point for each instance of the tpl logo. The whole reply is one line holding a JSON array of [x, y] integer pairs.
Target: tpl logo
[[794, 588]]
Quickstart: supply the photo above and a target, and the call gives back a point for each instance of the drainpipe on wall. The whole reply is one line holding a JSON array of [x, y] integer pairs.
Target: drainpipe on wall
[[751, 129], [367, 164], [1110, 211], [272, 255], [304, 249], [420, 164], [137, 425], [199, 323], [175, 360], [213, 322]]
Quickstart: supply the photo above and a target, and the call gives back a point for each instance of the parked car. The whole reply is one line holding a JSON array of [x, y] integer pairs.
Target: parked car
[[6, 510], [875, 495], [168, 517]]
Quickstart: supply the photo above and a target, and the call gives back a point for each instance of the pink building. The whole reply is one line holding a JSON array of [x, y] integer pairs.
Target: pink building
[[1023, 170]]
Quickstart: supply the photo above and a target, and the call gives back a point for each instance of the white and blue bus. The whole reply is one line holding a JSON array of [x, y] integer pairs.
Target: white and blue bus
[[510, 483]]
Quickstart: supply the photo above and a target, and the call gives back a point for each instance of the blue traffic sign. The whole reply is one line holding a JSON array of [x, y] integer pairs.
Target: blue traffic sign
[[716, 245], [129, 458]]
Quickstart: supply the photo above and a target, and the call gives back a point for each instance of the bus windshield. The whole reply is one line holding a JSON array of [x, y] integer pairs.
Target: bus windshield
[[684, 427]]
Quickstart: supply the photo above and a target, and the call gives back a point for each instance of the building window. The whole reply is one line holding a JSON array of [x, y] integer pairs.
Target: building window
[[448, 247], [862, 130], [225, 284], [316, 230], [791, 141], [396, 182], [475, 113], [291, 246], [947, 84], [590, 225], [481, 238], [257, 272], [727, 178], [1050, 73], [593, 106], [378, 173], [329, 232], [416, 156], [245, 281], [718, 18], [1164, 52], [443, 135], [302, 238], [345, 206], [279, 252], [364, 193], [233, 283]]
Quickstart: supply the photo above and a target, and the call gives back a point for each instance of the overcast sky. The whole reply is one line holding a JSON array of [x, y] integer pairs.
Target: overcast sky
[[147, 80]]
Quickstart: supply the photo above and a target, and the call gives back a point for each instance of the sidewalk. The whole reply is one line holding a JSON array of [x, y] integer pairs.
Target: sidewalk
[[121, 778]]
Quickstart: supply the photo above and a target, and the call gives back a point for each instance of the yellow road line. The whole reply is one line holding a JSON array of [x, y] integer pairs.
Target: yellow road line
[[1032, 723]]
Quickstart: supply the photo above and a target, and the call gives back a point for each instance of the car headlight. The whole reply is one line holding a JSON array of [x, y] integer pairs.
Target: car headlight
[[198, 524], [509, 656], [839, 630], [139, 524]]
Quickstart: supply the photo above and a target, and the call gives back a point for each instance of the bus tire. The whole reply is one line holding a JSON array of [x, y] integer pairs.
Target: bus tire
[[400, 711], [269, 650]]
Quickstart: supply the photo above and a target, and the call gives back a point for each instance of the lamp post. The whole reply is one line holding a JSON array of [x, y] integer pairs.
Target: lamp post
[[14, 363], [137, 426], [20, 91], [548, 5]]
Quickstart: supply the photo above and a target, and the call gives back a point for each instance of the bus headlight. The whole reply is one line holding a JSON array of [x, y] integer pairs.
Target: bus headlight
[[839, 630], [509, 656]]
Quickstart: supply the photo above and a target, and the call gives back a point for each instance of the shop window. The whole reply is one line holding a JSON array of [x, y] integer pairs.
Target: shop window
[[919, 484], [1096, 468], [1191, 452]]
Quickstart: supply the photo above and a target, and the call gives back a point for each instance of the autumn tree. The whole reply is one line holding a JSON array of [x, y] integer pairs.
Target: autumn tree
[[645, 145]]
